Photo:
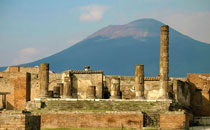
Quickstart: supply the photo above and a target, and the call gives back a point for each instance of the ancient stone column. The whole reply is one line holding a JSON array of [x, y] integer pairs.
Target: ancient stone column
[[60, 85], [164, 61], [90, 93], [139, 81], [115, 88], [67, 87], [44, 79]]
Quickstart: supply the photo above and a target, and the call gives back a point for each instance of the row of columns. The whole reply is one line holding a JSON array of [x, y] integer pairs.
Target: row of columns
[[63, 90]]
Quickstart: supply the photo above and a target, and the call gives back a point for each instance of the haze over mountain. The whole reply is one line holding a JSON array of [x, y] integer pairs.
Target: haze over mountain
[[116, 50]]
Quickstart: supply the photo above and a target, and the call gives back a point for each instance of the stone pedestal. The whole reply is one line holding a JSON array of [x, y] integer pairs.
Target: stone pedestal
[[90, 93], [67, 88], [44, 79], [115, 88], [164, 61], [139, 81]]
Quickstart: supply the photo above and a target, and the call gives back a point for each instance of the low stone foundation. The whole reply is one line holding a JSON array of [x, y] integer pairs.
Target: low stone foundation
[[16, 120], [112, 120], [96, 120]]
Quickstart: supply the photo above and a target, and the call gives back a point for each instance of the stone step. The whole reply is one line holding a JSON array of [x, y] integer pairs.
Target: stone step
[[107, 105]]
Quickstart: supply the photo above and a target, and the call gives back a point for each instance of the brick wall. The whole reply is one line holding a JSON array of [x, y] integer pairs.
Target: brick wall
[[174, 121], [19, 121], [117, 120], [17, 85]]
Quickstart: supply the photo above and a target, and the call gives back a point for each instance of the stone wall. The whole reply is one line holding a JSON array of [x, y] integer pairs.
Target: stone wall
[[127, 86], [17, 84], [152, 89], [181, 92], [200, 88], [34, 79], [114, 120], [80, 83], [54, 78], [174, 120], [19, 121]]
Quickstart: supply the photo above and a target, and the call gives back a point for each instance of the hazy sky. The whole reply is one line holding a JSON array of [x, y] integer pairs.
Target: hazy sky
[[33, 29]]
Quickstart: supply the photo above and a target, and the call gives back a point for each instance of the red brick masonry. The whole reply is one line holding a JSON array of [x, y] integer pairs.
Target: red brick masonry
[[13, 120], [116, 120], [174, 121]]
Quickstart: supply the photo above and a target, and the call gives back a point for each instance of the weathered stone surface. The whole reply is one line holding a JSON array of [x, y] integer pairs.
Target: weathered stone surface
[[56, 92], [127, 86], [117, 120], [200, 91], [44, 79], [16, 84], [115, 88], [67, 87], [60, 85], [174, 121], [82, 79], [139, 81], [106, 105], [90, 93], [23, 69], [181, 91], [164, 61], [19, 121]]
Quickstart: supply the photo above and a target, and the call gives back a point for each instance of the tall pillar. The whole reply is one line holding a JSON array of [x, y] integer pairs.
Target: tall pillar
[[90, 93], [115, 88], [67, 87], [164, 61], [44, 79], [139, 81]]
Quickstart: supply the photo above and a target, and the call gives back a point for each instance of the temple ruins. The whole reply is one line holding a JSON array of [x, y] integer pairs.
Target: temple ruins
[[35, 97]]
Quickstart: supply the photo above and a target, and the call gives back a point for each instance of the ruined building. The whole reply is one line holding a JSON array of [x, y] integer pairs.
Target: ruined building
[[89, 99]]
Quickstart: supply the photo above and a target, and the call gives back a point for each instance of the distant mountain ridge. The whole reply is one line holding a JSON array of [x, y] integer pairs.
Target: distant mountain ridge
[[116, 49]]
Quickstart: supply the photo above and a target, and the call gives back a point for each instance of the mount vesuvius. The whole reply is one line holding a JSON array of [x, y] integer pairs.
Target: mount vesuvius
[[116, 49]]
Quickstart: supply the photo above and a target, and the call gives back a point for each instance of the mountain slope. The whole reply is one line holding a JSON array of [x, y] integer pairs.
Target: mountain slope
[[116, 49]]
